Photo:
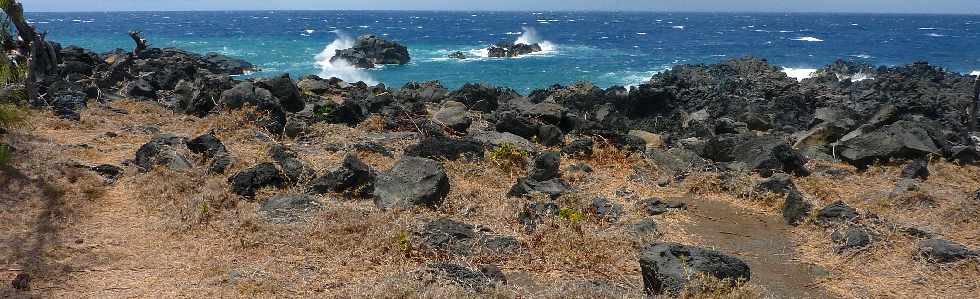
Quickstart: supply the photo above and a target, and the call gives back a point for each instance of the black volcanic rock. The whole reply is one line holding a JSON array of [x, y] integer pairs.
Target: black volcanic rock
[[507, 50], [370, 50]]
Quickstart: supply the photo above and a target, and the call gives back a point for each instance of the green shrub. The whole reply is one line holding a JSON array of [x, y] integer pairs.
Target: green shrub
[[11, 116], [570, 215], [507, 155], [323, 112]]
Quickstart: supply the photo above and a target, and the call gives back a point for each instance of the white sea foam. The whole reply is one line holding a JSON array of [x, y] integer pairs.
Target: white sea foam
[[862, 56], [808, 39], [975, 73], [340, 69], [799, 73], [310, 31], [935, 35], [530, 36], [641, 33], [861, 77], [678, 27], [927, 28]]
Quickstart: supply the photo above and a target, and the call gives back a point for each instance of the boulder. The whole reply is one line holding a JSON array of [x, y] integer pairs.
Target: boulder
[[68, 105], [795, 208], [650, 139], [370, 50], [656, 206], [164, 150], [553, 188], [837, 212], [481, 97], [446, 148], [461, 276], [580, 147], [246, 182], [222, 64], [207, 145], [667, 267], [457, 55], [546, 166], [900, 140], [853, 237], [139, 89], [352, 175], [532, 213], [645, 227], [777, 184], [511, 122], [765, 153], [288, 208], [549, 135], [606, 210], [453, 115], [263, 100], [447, 235], [284, 89], [943, 251], [428, 92], [293, 168], [412, 182], [493, 140]]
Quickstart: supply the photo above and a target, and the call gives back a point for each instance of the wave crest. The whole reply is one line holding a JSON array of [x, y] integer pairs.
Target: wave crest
[[340, 68]]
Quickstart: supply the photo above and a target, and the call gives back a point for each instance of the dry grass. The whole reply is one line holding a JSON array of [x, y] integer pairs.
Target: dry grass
[[170, 233]]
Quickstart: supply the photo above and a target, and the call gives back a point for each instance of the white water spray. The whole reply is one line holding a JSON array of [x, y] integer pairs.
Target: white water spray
[[340, 69], [530, 36]]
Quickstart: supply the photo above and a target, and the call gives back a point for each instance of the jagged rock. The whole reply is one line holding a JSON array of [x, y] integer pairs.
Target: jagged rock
[[447, 235], [656, 206], [207, 145], [552, 188], [493, 140], [606, 210], [198, 96], [288, 208], [550, 135], [139, 89], [511, 122], [837, 212], [411, 182], [293, 168], [645, 227], [763, 153], [352, 175], [778, 184], [546, 166], [457, 55], [580, 147], [795, 208], [900, 140], [109, 172], [370, 50], [284, 89], [222, 64], [666, 267], [481, 97], [943, 251], [165, 150], [247, 93], [854, 237], [676, 161], [508, 50], [430, 91], [917, 169], [69, 105], [446, 148], [220, 164], [246, 182], [453, 115]]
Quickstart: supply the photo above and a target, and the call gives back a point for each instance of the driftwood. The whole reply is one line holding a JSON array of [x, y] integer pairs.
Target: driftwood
[[141, 43], [43, 56]]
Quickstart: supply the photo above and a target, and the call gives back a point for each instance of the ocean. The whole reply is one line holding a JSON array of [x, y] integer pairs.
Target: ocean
[[608, 48]]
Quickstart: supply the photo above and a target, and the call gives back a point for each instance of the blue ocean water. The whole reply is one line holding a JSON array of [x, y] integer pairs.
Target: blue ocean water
[[608, 48]]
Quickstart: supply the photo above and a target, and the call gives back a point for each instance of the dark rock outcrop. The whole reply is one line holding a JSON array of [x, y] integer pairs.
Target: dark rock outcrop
[[246, 182], [352, 176], [446, 148], [370, 50], [507, 50], [164, 150], [943, 251], [666, 267], [288, 208], [411, 182]]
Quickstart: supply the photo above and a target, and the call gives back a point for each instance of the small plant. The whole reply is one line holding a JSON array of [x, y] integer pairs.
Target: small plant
[[508, 156], [10, 116], [323, 112], [570, 215], [404, 244]]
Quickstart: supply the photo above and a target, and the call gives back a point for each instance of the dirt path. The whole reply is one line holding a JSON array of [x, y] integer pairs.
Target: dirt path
[[763, 241]]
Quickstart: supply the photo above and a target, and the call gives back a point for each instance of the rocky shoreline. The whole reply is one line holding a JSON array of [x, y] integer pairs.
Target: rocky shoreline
[[740, 115]]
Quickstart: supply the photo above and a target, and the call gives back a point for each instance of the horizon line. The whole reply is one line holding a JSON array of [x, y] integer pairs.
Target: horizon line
[[519, 11]]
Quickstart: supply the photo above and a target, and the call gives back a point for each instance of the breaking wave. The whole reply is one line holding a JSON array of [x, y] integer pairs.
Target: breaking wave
[[340, 68], [808, 39], [799, 74]]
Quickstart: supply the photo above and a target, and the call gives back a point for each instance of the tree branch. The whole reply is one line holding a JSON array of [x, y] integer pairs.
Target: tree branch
[[141, 43]]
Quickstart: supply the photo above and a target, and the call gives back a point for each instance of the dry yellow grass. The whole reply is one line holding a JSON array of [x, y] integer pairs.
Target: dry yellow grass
[[166, 233]]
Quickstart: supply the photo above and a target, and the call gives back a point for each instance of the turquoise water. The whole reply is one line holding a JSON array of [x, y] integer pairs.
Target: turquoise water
[[605, 47]]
